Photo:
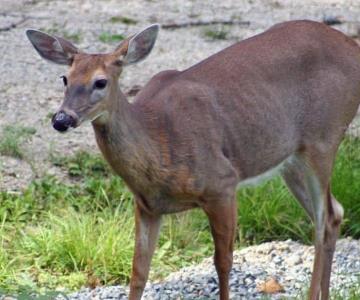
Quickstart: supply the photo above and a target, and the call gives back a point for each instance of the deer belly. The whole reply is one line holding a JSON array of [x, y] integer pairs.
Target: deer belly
[[255, 180]]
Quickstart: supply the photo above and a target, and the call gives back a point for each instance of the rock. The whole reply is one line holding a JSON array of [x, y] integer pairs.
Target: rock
[[294, 260], [270, 286]]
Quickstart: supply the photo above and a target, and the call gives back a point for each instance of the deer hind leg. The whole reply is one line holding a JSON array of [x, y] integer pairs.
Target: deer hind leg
[[294, 175], [308, 179], [223, 218], [332, 228]]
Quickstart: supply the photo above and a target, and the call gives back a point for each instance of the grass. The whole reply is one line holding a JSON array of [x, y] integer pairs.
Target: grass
[[348, 294], [124, 20], [107, 37], [340, 293], [12, 138], [346, 184], [57, 235], [219, 33]]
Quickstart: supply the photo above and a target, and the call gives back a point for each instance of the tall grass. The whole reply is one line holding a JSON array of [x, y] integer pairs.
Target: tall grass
[[83, 242], [270, 212], [346, 184], [56, 235]]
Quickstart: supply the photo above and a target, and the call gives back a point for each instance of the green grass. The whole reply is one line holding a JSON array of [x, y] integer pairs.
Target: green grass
[[11, 139], [56, 235], [269, 212], [340, 293], [216, 34], [124, 20], [350, 294], [346, 184], [107, 37]]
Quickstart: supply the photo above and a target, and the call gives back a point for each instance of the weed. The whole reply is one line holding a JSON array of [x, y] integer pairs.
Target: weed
[[12, 138], [121, 19], [49, 115], [107, 37], [216, 34]]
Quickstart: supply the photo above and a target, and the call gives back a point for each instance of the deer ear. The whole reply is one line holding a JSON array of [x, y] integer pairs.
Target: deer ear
[[54, 49], [139, 46]]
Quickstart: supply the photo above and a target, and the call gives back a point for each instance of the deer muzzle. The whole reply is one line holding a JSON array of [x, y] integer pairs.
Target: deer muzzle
[[62, 121]]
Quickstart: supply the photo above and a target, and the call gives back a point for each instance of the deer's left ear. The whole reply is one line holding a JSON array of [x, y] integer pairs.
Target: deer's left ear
[[52, 48], [138, 47]]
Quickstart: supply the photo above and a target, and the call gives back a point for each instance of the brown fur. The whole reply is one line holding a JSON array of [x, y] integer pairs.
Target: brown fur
[[191, 136]]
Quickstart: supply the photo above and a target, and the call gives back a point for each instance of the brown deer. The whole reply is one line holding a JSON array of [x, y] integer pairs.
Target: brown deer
[[280, 100]]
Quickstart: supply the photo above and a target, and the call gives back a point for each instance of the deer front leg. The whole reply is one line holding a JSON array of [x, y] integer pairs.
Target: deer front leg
[[223, 219], [146, 234]]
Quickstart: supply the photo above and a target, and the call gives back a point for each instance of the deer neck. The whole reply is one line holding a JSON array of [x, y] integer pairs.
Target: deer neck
[[122, 138]]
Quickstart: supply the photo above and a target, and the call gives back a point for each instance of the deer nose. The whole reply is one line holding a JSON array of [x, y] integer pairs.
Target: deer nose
[[62, 121]]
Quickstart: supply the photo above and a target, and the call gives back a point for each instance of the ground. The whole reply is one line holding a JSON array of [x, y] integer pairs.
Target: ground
[[31, 90]]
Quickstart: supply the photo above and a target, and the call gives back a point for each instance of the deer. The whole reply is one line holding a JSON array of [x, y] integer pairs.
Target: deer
[[278, 102]]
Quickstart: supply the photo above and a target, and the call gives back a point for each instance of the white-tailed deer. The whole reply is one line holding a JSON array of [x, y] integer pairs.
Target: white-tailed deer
[[282, 98]]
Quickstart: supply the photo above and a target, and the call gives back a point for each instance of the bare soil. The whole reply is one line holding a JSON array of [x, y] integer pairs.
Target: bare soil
[[31, 89]]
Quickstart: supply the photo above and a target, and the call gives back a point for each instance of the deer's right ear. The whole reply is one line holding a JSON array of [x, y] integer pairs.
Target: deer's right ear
[[54, 49]]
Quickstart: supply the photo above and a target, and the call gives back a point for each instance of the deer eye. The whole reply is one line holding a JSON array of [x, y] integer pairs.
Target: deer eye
[[118, 63], [64, 79], [100, 84]]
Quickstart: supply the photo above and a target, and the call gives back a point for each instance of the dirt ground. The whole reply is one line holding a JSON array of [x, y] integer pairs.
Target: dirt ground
[[31, 89]]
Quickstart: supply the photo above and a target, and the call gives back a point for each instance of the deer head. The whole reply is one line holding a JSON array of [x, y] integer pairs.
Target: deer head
[[92, 79]]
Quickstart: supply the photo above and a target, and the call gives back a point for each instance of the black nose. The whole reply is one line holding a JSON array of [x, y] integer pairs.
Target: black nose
[[62, 121]]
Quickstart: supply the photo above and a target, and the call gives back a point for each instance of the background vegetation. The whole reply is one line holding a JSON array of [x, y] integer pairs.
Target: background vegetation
[[57, 235]]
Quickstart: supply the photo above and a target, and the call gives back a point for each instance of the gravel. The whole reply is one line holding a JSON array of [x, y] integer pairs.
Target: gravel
[[14, 173], [288, 263]]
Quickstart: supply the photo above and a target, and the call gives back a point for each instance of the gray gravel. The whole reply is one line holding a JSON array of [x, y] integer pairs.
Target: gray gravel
[[288, 262]]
